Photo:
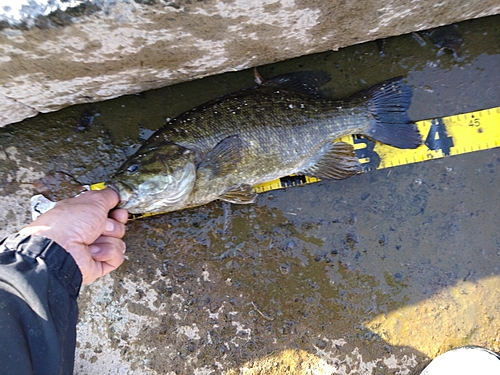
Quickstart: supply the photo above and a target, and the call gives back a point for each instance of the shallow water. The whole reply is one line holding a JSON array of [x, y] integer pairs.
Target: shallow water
[[372, 275]]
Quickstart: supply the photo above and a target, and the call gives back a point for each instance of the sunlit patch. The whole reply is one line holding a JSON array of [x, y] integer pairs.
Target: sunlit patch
[[301, 362], [464, 314]]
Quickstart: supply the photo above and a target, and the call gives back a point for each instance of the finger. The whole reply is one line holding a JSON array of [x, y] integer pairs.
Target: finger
[[105, 240], [113, 228], [107, 197], [102, 268], [109, 253], [120, 215], [106, 255]]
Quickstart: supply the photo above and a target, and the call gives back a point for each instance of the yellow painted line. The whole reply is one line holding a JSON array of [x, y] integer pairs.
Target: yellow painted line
[[444, 136]]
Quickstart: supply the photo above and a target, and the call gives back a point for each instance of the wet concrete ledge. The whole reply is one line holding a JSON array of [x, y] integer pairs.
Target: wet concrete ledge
[[57, 53]]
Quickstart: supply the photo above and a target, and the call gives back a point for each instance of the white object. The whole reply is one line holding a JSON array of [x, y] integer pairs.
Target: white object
[[39, 205], [467, 360]]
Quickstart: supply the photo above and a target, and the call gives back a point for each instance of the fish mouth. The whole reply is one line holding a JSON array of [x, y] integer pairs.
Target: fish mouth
[[123, 190]]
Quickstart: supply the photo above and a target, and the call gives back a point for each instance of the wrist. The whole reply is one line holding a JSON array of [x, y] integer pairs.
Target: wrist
[[48, 232], [71, 247]]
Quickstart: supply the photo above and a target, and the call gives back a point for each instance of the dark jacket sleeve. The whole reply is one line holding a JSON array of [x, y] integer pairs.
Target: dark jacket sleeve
[[39, 285]]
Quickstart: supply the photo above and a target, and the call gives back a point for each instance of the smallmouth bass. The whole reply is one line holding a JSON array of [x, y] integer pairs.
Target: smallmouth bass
[[283, 126]]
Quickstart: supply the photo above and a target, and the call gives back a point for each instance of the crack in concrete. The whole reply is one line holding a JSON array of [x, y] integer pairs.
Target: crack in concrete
[[19, 102], [14, 110]]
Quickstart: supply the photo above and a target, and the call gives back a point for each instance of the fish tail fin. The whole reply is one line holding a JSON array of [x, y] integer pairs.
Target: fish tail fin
[[388, 102]]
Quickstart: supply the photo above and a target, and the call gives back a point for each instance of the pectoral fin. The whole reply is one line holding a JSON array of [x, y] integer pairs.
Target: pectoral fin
[[224, 157], [334, 161], [242, 194]]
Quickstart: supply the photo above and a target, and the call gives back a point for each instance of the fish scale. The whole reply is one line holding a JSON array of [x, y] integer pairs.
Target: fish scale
[[309, 123]]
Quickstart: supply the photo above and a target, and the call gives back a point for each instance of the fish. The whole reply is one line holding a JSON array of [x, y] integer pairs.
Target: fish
[[283, 126]]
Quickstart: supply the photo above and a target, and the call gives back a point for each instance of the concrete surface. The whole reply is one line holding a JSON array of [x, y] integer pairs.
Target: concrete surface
[[58, 53], [373, 275]]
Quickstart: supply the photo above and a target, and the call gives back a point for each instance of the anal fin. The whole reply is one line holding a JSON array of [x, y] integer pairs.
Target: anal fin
[[242, 194], [335, 161]]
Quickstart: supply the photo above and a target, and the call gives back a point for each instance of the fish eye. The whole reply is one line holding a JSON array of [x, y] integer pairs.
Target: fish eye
[[133, 168]]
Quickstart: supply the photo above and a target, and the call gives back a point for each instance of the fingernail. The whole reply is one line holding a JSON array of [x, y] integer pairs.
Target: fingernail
[[94, 249], [109, 226]]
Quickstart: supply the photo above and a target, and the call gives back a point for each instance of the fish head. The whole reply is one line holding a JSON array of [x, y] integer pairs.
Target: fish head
[[155, 179]]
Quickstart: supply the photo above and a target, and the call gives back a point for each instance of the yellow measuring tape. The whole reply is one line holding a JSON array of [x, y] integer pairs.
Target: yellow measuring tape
[[445, 136]]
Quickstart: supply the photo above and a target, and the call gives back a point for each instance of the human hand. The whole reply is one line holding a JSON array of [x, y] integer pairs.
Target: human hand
[[86, 228]]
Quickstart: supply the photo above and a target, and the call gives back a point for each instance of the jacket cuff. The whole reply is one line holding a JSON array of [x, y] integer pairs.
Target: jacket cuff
[[58, 261]]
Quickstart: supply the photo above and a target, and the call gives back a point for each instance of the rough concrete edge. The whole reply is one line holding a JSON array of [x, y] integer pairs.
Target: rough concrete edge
[[22, 111]]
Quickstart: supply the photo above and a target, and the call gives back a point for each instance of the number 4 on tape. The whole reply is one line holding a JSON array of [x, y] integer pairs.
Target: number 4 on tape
[[438, 138]]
